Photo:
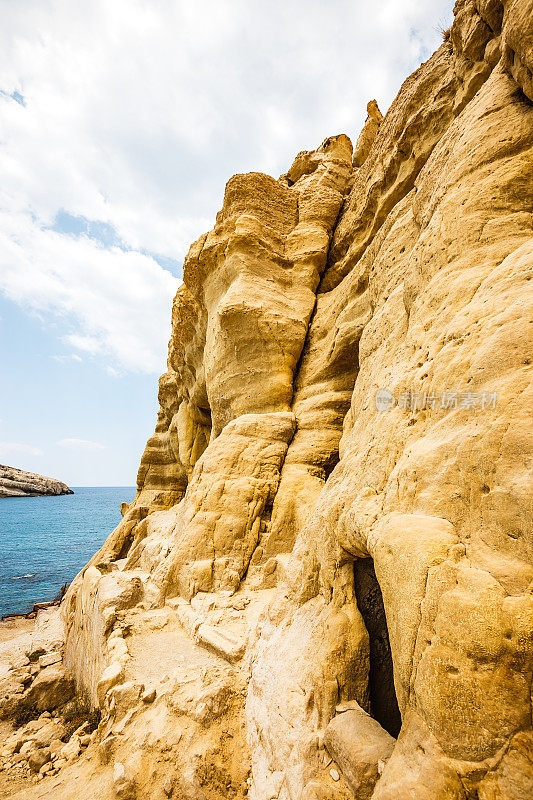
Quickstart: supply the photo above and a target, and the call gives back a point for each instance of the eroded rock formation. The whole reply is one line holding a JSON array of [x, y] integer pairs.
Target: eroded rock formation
[[18, 483], [324, 586]]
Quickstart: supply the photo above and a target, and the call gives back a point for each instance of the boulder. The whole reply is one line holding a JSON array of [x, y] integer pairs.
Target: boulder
[[361, 747], [51, 688], [38, 758]]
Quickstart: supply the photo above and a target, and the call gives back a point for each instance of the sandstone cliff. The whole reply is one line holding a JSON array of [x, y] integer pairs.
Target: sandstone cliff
[[18, 483], [324, 586]]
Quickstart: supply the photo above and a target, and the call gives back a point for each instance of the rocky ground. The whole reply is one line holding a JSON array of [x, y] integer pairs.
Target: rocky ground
[[176, 676]]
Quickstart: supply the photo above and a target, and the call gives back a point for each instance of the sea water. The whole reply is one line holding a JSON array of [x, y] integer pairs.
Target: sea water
[[45, 541]]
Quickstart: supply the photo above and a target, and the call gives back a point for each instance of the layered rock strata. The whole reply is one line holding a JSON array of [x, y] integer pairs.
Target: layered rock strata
[[327, 569], [18, 483]]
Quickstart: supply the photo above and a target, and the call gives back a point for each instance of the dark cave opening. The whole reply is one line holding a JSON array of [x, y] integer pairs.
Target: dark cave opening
[[383, 701]]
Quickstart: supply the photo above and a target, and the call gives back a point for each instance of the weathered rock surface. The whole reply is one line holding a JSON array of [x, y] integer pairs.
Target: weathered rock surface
[[324, 586], [18, 483]]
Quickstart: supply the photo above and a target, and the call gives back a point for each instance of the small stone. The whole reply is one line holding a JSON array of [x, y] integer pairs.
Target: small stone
[[72, 749], [111, 676], [334, 774], [81, 730], [123, 783], [223, 642], [85, 740], [271, 566], [34, 655], [168, 787], [106, 748], [56, 745], [149, 695], [118, 647], [27, 748], [39, 758]]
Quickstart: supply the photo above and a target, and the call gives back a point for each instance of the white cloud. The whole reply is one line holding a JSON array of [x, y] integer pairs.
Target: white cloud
[[81, 444], [87, 344], [68, 359], [135, 114], [17, 449], [119, 300]]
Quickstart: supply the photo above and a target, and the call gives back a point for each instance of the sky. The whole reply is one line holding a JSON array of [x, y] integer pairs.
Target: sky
[[120, 123]]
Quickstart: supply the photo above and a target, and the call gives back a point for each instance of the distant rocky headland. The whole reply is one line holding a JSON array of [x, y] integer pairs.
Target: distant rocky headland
[[18, 483]]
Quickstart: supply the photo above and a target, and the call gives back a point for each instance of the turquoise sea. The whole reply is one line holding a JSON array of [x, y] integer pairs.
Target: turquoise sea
[[45, 541]]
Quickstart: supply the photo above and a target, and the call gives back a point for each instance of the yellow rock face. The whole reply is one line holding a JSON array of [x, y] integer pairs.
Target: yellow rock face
[[349, 377]]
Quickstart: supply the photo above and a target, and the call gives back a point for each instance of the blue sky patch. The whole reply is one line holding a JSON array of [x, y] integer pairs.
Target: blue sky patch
[[96, 229], [16, 96]]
